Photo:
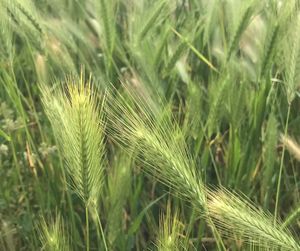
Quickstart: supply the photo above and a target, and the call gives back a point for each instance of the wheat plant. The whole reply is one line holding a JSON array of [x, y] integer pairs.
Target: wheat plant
[[77, 124]]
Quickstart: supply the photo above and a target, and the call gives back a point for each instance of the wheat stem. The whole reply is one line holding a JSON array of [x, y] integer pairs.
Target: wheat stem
[[87, 228], [281, 165], [101, 230]]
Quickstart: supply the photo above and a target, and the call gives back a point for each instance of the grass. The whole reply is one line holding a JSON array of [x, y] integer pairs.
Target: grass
[[130, 125]]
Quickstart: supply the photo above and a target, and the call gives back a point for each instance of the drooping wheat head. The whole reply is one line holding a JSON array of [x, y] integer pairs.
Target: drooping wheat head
[[139, 125]]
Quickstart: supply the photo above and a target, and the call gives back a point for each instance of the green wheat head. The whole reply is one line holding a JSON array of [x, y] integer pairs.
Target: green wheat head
[[138, 125], [52, 235], [170, 232], [236, 216], [76, 121]]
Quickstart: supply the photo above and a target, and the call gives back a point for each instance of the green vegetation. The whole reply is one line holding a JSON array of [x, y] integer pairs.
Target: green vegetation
[[149, 125]]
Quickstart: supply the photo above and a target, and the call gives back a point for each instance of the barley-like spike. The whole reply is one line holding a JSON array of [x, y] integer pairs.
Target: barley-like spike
[[233, 216], [76, 124]]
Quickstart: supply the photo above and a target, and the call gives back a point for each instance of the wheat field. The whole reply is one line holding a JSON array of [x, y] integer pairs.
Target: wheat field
[[149, 125]]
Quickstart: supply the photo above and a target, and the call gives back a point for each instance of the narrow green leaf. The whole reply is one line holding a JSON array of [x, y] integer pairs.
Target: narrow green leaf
[[138, 220], [4, 135]]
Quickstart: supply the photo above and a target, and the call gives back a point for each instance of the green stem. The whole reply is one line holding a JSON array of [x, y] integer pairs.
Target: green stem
[[281, 164], [87, 228], [101, 230], [219, 242]]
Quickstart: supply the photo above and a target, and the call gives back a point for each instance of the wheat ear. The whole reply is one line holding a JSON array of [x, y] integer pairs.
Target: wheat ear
[[138, 124], [234, 215], [76, 122], [52, 235]]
